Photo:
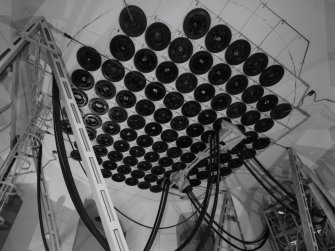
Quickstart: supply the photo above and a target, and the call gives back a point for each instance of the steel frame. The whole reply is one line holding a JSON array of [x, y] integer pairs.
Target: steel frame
[[39, 26]]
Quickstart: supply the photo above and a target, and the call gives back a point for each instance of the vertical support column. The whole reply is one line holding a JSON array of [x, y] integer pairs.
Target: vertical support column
[[110, 222], [14, 99], [306, 222]]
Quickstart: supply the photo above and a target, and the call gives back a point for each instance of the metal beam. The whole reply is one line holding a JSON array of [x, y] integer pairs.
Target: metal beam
[[110, 222], [306, 221]]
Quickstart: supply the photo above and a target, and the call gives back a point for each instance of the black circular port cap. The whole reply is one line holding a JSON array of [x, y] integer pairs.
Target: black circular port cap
[[167, 72], [105, 140], [105, 89], [173, 100], [115, 156], [169, 135], [89, 58], [162, 115], [82, 79], [80, 97], [143, 185], [281, 111], [251, 137], [237, 52], [118, 177], [237, 84], [128, 134], [122, 47], [110, 165], [144, 141], [113, 70], [158, 36], [271, 75], [186, 82], [261, 143], [250, 117], [255, 64], [236, 110], [125, 99], [135, 81], [201, 62], [145, 107], [131, 181], [160, 146], [196, 23], [121, 146], [133, 21], [145, 60], [130, 160], [155, 91], [267, 103], [153, 129], [263, 125], [144, 165], [218, 38], [136, 122], [252, 94], [219, 74], [111, 127], [91, 120], [180, 50], [118, 114], [207, 116], [221, 101], [198, 147], [195, 130], [204, 92], [191, 109], [179, 123], [174, 152], [184, 141], [98, 106], [136, 151]]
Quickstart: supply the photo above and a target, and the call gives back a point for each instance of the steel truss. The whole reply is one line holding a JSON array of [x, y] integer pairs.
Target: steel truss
[[39, 34], [315, 229]]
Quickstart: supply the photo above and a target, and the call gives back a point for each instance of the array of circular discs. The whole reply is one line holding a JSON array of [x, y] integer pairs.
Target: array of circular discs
[[143, 130]]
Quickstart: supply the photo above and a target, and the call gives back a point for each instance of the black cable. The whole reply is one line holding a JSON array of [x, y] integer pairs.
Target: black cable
[[67, 174], [268, 174], [39, 205], [159, 217], [215, 156], [195, 202], [202, 212]]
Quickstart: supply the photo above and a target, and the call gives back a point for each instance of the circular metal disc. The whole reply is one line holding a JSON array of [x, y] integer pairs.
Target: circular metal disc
[[145, 60], [92, 120], [118, 114], [169, 135], [271, 75], [130, 160], [178, 166], [82, 79], [179, 123], [115, 156], [143, 185], [136, 122], [131, 181], [132, 21], [267, 103], [198, 147], [165, 161], [191, 109], [110, 165], [158, 170], [122, 47], [153, 129], [261, 143], [195, 130], [135, 81], [221, 101], [237, 84], [201, 62], [174, 152], [111, 127], [150, 178], [155, 91], [196, 23], [281, 111], [112, 70], [98, 106], [173, 100], [144, 141], [167, 72], [184, 141], [136, 151], [144, 165], [138, 174], [236, 110], [124, 169], [158, 36], [100, 151], [162, 115], [250, 117], [218, 38], [80, 97], [105, 140], [89, 58], [180, 50], [156, 189], [237, 52], [187, 157], [263, 125], [252, 94], [186, 82], [255, 64], [207, 117], [160, 146], [219, 74], [145, 107], [118, 177], [105, 89], [128, 134], [121, 146], [204, 92], [125, 99]]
